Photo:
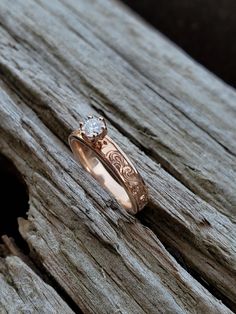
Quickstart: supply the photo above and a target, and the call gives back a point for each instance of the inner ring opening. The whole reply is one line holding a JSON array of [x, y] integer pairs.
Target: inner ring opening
[[100, 171]]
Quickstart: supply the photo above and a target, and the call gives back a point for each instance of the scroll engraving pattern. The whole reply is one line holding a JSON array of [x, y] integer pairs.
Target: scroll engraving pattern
[[131, 178]]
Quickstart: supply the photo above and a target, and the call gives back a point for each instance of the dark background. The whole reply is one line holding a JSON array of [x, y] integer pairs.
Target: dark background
[[206, 29]]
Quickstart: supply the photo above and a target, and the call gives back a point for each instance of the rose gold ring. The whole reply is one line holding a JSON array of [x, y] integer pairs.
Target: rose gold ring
[[108, 164]]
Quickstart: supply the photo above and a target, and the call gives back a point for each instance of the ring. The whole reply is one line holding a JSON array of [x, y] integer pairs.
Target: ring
[[108, 164]]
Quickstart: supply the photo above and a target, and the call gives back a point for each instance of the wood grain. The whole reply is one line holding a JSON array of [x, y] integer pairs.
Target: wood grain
[[60, 61], [22, 291]]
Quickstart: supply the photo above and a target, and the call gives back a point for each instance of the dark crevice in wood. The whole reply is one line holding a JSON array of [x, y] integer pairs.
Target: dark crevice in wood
[[212, 289], [197, 276], [144, 217], [14, 204], [14, 200]]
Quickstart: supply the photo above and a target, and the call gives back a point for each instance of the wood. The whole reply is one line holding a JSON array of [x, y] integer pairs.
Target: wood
[[22, 291], [59, 61]]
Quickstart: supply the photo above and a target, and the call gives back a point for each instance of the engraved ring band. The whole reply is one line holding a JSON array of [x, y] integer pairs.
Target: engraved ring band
[[108, 164]]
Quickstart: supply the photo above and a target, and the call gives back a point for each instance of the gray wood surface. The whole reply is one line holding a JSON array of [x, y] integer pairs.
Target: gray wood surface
[[22, 291], [61, 60]]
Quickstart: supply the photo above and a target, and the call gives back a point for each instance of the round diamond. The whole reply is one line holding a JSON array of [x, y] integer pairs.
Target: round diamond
[[93, 126]]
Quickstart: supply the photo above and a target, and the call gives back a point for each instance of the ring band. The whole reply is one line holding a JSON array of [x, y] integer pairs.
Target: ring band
[[108, 164]]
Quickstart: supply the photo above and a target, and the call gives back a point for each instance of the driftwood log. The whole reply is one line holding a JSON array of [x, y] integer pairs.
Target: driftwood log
[[23, 291], [61, 60]]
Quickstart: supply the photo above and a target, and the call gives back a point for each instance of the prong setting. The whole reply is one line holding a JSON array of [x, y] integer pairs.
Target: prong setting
[[93, 129]]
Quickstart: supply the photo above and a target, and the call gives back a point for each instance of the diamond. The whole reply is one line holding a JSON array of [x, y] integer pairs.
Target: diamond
[[93, 126]]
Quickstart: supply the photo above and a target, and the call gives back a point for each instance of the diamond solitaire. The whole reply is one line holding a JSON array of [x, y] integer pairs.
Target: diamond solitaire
[[94, 128], [108, 164]]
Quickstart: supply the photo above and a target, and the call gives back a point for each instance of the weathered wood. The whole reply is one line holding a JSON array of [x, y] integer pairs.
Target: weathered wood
[[105, 261], [22, 291], [60, 61]]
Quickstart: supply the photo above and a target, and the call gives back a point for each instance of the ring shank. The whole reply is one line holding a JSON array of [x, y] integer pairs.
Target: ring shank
[[111, 168]]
